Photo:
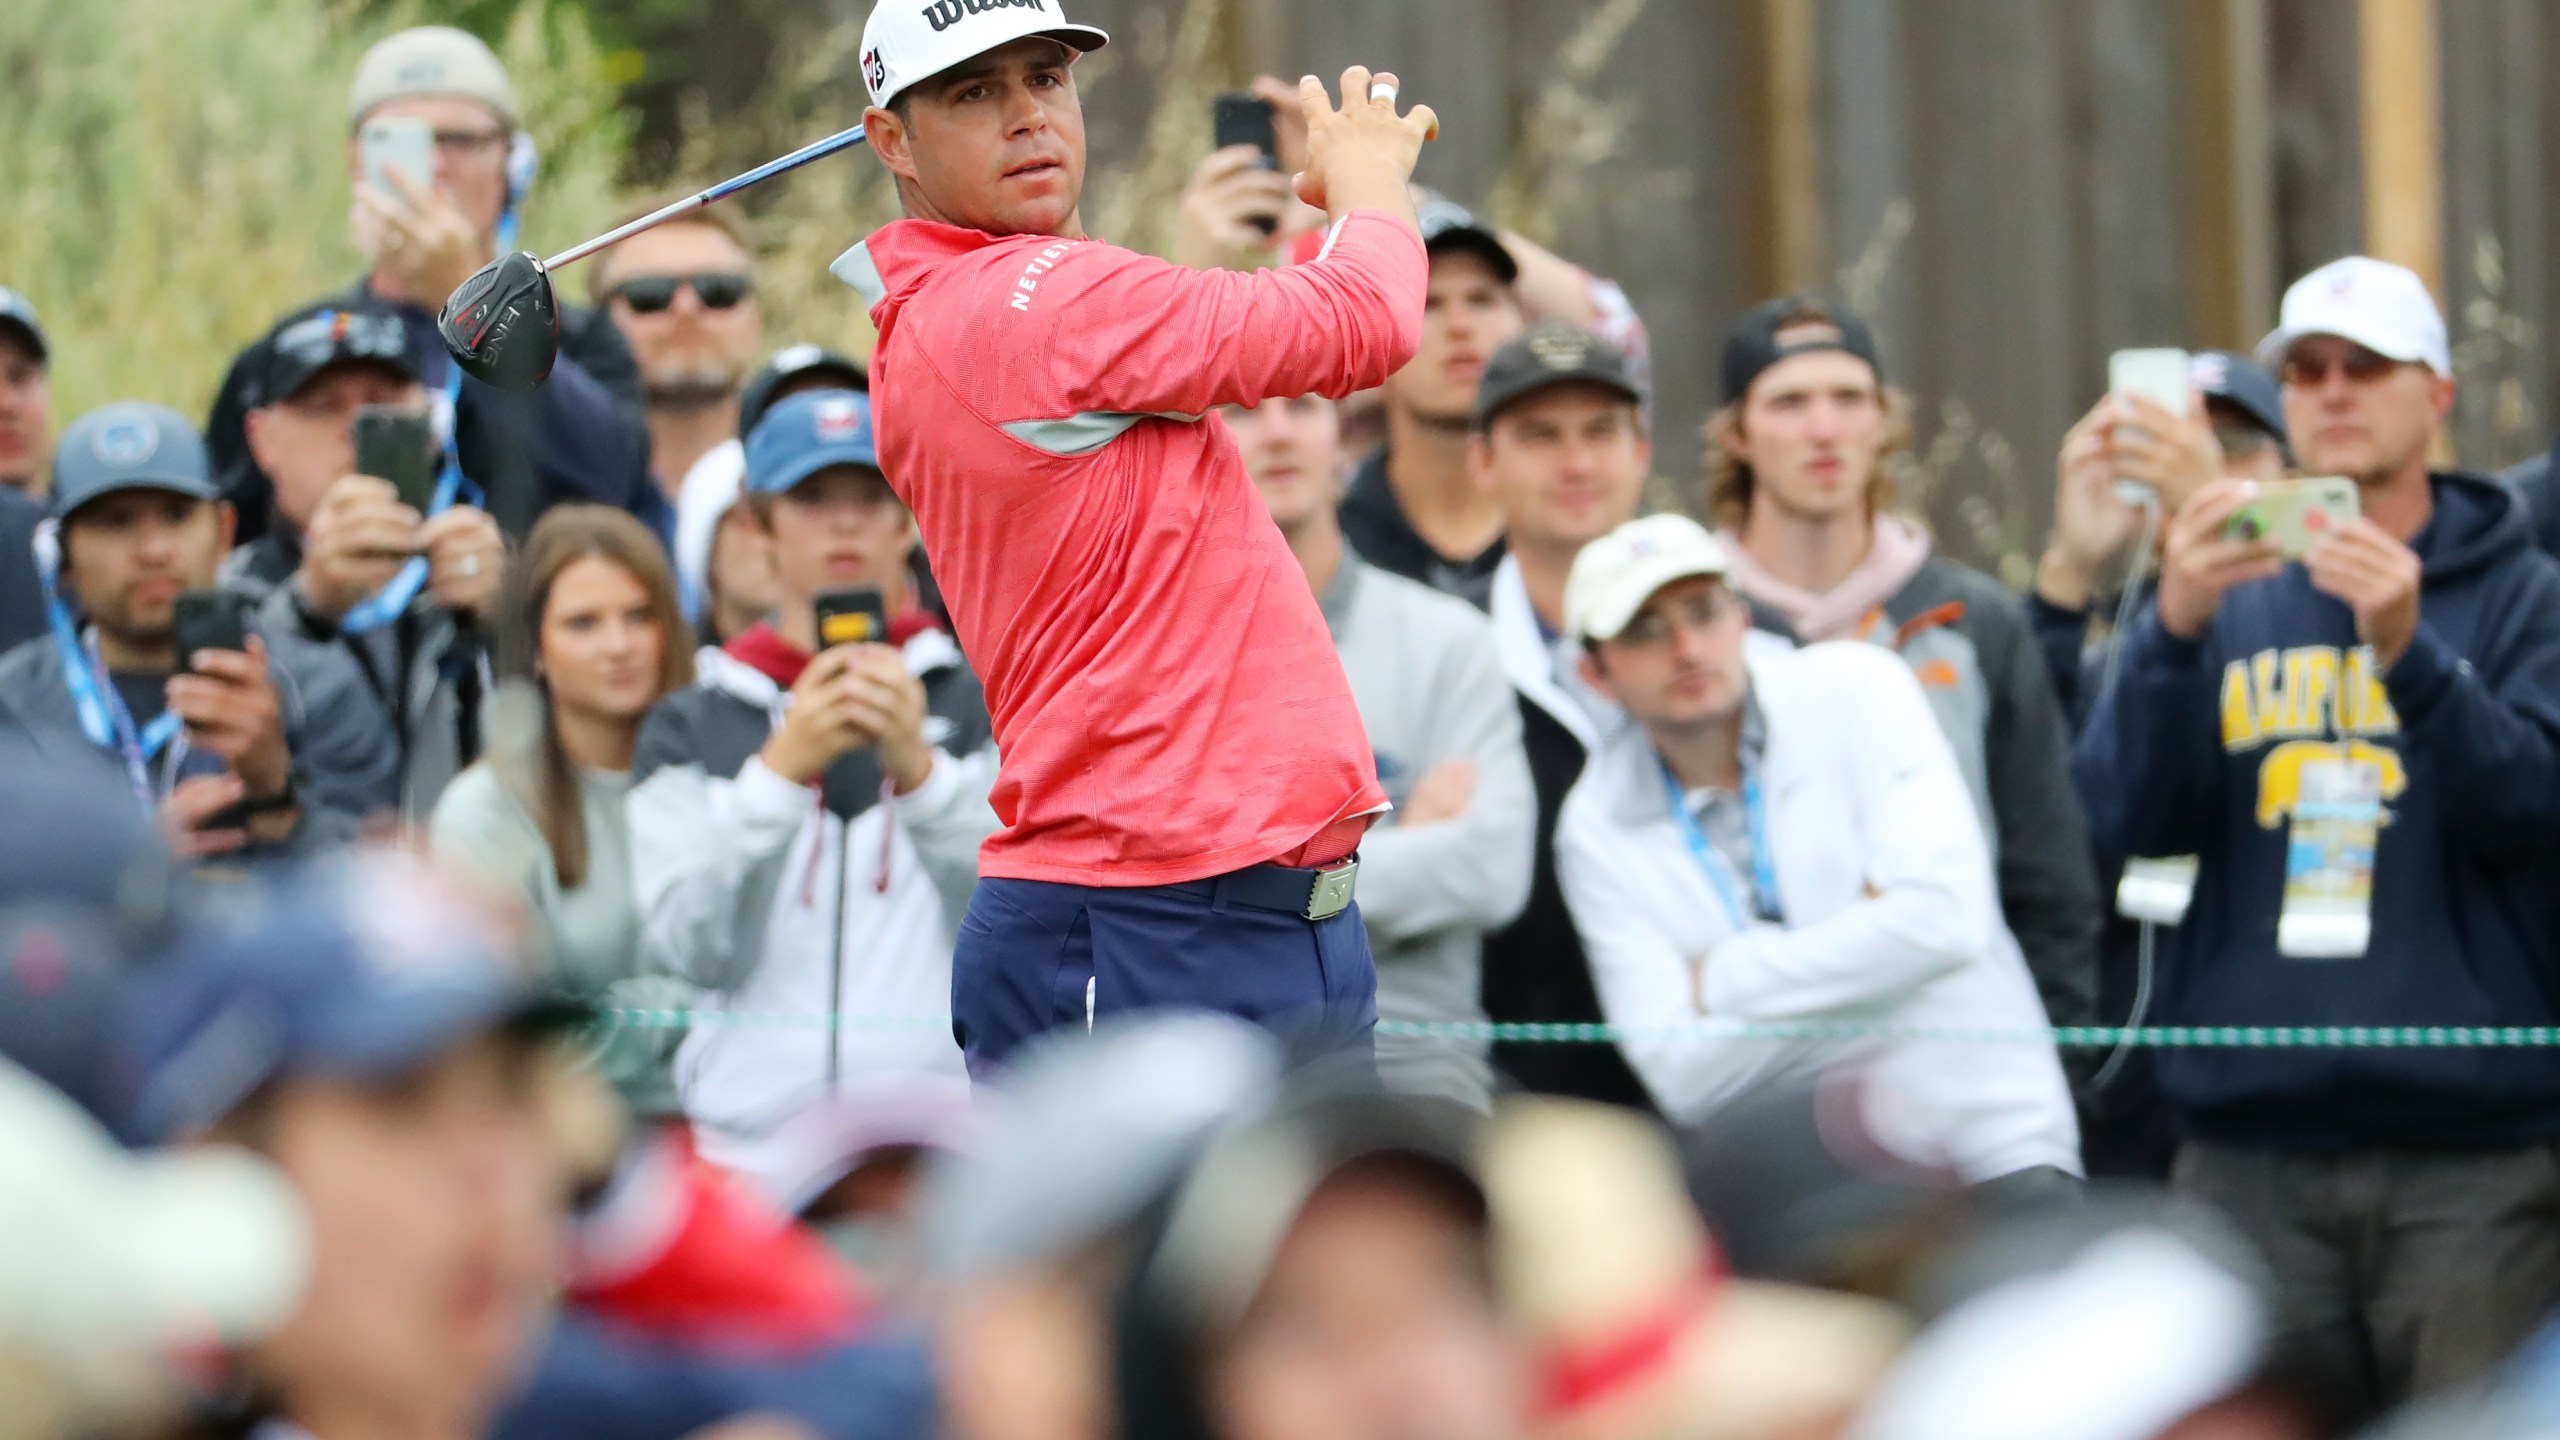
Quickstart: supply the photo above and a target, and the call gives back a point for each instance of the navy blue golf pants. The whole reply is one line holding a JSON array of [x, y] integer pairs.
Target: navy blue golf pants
[[1036, 956]]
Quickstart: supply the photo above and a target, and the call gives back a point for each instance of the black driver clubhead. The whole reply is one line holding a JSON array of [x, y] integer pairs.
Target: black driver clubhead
[[503, 325]]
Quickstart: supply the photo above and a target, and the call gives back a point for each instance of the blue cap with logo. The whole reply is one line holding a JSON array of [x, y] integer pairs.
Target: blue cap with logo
[[19, 314], [804, 434], [360, 969], [129, 445], [2237, 381]]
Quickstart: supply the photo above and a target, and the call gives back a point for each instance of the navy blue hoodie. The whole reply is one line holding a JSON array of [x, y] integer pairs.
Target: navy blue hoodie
[[2196, 750]]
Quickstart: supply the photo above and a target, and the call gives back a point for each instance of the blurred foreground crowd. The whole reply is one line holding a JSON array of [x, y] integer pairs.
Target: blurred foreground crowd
[[631, 1105]]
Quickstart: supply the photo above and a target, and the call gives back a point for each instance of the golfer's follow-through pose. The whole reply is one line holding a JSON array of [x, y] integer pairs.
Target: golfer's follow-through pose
[[1185, 780]]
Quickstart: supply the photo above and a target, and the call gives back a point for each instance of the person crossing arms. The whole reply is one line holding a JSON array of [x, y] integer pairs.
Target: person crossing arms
[[1184, 778]]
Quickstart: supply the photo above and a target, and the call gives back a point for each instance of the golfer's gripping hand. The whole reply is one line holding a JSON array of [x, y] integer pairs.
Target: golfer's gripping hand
[[1359, 157]]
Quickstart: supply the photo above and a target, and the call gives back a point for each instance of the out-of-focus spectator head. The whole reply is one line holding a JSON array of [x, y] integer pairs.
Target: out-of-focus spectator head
[[2368, 376], [2119, 1321], [451, 81], [852, 1168], [1031, 1222], [313, 371], [796, 370], [1560, 436], [1636, 1330], [140, 518], [729, 562], [1324, 1272], [974, 110], [1807, 423], [1662, 632], [2247, 410], [1293, 450], [26, 393], [813, 478], [362, 1026], [119, 1264], [1470, 310], [684, 295]]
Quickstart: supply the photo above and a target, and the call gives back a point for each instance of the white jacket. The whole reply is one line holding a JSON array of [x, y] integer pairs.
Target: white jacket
[[735, 870], [1891, 917]]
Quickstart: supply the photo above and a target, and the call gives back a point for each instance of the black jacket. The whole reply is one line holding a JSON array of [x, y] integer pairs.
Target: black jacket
[[21, 589], [1374, 522]]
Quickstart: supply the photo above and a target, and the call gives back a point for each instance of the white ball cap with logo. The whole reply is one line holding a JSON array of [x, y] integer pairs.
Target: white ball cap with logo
[[2381, 306], [1616, 574], [905, 41]]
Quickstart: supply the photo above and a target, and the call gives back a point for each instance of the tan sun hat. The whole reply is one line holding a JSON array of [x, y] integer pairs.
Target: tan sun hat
[[1638, 1332]]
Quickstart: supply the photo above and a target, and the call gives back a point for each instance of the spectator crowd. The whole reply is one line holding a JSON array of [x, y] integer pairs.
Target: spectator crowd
[[476, 949]]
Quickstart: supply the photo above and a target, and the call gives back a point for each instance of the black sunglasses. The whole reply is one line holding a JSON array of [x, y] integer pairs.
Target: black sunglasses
[[717, 290], [2361, 365]]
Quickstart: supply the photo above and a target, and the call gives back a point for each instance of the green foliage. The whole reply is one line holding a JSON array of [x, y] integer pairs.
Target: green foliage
[[175, 172]]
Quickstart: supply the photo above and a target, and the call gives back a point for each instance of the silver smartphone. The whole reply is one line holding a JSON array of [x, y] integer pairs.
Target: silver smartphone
[[2157, 375], [408, 146]]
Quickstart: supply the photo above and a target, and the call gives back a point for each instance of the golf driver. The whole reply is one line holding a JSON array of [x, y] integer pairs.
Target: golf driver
[[503, 324]]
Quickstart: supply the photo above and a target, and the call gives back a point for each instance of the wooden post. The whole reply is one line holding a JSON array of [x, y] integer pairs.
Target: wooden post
[[2230, 240], [1780, 91], [2400, 92]]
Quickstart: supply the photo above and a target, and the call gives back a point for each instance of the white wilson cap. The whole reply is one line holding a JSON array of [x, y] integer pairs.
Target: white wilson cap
[[1615, 574], [905, 41], [2378, 305]]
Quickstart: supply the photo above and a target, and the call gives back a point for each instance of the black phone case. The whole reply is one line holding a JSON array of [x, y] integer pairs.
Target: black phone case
[[397, 447], [1241, 119], [210, 620], [852, 616]]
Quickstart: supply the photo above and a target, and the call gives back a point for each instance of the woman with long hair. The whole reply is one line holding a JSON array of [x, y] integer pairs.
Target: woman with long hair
[[590, 637]]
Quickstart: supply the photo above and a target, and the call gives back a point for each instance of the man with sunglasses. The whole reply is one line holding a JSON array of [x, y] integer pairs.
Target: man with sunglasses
[[579, 437], [2362, 749], [684, 296]]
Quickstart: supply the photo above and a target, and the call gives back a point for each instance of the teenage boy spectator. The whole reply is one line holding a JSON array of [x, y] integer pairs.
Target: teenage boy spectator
[[805, 819], [334, 570], [1411, 508], [576, 437], [2240, 434], [1798, 482], [724, 567], [1561, 444], [2407, 671], [1454, 861], [684, 297], [26, 396], [1789, 839], [25, 430], [220, 744]]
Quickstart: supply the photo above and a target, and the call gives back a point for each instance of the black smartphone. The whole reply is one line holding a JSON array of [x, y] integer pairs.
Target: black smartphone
[[1241, 119], [210, 620], [395, 443], [854, 615]]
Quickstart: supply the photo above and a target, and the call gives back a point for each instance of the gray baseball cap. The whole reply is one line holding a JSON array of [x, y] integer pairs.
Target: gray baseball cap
[[129, 445], [431, 60], [17, 312]]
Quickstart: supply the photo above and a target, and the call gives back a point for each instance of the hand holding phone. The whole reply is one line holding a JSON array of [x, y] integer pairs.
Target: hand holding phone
[[2157, 375], [405, 145], [210, 619], [2296, 515], [853, 615], [1241, 119]]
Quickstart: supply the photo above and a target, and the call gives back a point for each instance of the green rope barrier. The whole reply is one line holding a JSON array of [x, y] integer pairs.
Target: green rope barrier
[[2068, 1037]]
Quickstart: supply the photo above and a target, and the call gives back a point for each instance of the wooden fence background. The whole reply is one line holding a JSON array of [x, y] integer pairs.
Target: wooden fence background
[[2012, 188]]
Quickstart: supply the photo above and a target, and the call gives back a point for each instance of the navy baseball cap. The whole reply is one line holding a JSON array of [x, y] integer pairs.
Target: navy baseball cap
[[129, 445], [804, 434], [2238, 382], [362, 969], [1808, 322], [789, 366], [1448, 227], [18, 313], [321, 337]]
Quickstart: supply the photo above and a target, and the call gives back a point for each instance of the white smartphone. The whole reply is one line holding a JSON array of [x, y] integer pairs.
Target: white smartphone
[[2157, 375], [408, 146]]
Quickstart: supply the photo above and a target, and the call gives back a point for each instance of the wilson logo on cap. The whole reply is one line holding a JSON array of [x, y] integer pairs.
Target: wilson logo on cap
[[943, 14], [874, 72]]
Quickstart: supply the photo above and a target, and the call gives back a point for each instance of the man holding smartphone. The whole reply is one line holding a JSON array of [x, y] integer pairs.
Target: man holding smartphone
[[805, 817], [330, 567], [580, 436], [210, 741]]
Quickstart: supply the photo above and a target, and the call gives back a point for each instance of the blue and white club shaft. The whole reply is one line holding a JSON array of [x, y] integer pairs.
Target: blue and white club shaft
[[815, 150]]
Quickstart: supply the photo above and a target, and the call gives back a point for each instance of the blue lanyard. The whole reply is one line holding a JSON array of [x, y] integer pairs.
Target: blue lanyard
[[393, 600], [103, 716], [1716, 866]]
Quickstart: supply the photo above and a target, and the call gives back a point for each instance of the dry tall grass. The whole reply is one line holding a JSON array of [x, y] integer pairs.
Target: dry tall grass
[[174, 173]]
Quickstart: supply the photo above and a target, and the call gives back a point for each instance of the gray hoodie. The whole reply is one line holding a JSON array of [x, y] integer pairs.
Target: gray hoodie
[[1430, 688]]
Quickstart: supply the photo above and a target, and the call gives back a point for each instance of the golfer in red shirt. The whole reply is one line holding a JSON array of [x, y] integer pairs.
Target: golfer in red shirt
[[1185, 779]]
